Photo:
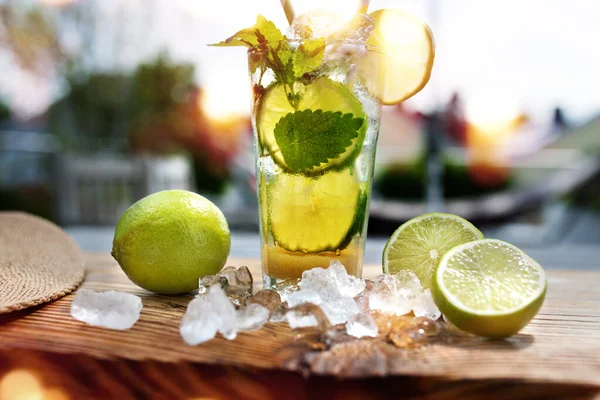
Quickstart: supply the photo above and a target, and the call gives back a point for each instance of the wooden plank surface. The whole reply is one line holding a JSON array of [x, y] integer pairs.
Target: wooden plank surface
[[560, 346]]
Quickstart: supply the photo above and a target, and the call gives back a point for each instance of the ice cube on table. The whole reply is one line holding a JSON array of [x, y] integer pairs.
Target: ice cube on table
[[111, 309], [332, 282], [387, 297], [230, 273], [279, 314], [424, 306], [362, 300], [362, 325], [208, 314], [347, 285], [297, 320], [389, 303], [239, 281], [339, 310], [211, 280], [297, 317], [303, 296], [408, 284], [236, 282], [251, 317], [287, 287], [267, 298]]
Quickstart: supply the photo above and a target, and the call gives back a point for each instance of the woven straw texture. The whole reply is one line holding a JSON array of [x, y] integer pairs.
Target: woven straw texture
[[38, 262]]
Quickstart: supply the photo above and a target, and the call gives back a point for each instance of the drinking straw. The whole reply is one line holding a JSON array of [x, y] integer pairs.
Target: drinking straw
[[288, 10]]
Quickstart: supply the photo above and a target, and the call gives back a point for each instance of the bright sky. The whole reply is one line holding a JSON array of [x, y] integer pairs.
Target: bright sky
[[502, 55]]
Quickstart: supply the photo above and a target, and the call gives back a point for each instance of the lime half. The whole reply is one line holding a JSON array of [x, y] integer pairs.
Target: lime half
[[419, 244], [489, 288], [322, 94], [312, 214]]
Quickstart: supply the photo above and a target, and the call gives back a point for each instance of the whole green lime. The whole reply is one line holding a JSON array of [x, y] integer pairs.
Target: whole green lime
[[167, 241]]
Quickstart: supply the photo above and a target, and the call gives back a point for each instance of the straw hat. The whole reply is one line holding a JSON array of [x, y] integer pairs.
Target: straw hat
[[39, 262]]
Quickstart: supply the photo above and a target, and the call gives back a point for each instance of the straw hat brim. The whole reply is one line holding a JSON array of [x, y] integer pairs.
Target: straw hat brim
[[39, 262]]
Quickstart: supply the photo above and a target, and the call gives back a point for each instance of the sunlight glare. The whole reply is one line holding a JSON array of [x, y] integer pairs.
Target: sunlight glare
[[345, 8], [491, 111], [225, 99]]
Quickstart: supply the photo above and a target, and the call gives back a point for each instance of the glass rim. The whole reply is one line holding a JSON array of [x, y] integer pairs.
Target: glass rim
[[259, 48]]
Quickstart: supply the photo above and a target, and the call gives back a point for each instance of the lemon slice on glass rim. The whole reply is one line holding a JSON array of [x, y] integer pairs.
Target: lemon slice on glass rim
[[408, 53]]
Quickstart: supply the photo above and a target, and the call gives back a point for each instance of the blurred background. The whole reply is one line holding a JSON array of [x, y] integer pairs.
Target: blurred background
[[103, 102]]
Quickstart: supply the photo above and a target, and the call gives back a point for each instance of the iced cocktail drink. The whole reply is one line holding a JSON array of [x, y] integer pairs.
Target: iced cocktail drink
[[316, 122]]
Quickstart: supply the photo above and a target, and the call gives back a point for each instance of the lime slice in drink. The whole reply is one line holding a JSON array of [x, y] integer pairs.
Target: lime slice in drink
[[489, 288], [359, 219], [312, 214], [419, 244], [322, 94]]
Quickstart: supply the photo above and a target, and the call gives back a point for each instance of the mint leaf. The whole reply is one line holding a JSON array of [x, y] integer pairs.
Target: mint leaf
[[264, 31], [267, 31], [306, 139], [245, 37], [308, 57], [287, 62]]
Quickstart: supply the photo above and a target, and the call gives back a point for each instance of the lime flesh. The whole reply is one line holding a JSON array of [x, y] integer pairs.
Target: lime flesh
[[312, 214], [321, 94], [489, 288], [419, 244]]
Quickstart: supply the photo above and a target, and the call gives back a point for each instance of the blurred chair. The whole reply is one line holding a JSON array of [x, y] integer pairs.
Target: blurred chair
[[96, 190]]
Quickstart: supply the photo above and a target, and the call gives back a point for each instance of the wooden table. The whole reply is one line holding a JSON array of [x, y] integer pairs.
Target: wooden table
[[556, 356]]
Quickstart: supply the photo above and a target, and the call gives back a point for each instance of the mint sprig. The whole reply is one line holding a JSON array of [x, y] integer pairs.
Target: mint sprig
[[288, 63], [307, 139]]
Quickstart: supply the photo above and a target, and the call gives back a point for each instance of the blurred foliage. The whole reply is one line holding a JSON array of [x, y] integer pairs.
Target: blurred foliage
[[408, 182], [5, 112], [153, 110], [93, 114], [160, 119], [122, 112]]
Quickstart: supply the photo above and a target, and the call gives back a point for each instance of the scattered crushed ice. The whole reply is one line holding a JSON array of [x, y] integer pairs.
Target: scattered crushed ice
[[408, 283], [251, 317], [208, 314], [324, 298], [267, 298], [362, 300], [279, 314], [111, 309], [362, 325], [236, 282], [425, 307], [239, 280], [347, 285], [340, 309], [395, 294], [212, 280], [287, 287], [297, 320], [332, 282], [303, 296]]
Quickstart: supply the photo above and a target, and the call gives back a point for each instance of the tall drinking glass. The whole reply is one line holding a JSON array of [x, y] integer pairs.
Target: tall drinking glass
[[315, 138]]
